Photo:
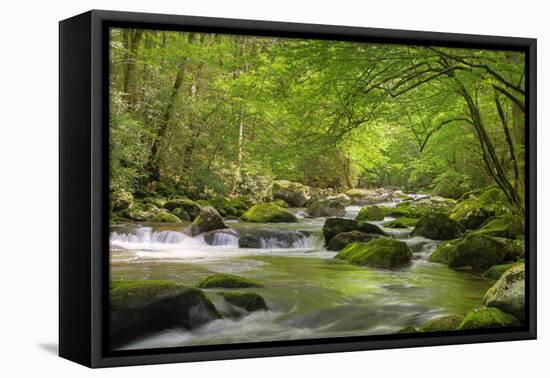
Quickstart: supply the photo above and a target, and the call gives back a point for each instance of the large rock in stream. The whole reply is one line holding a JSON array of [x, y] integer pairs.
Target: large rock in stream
[[335, 226], [269, 238], [207, 220], [268, 213], [508, 293], [370, 213], [437, 226], [379, 253], [326, 208], [488, 317], [191, 207], [293, 193], [139, 308], [342, 239]]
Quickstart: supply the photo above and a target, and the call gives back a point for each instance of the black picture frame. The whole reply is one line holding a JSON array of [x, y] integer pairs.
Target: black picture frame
[[84, 187]]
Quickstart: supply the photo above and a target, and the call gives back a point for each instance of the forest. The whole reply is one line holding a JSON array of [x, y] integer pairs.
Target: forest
[[264, 188]]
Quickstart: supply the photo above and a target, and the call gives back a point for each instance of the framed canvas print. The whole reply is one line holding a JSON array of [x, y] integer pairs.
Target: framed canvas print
[[233, 188]]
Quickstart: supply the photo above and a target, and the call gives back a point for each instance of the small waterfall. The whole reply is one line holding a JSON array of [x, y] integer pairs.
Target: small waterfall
[[225, 239], [146, 235]]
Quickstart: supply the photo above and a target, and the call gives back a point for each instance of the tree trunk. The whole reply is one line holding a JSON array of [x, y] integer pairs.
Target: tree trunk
[[130, 86]]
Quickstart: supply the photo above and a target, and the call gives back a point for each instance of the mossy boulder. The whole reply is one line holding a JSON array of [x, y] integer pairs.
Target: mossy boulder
[[444, 250], [471, 213], [227, 281], [508, 293], [408, 329], [368, 196], [326, 208], [420, 207], [191, 207], [293, 193], [141, 307], [379, 253], [279, 202], [496, 271], [157, 201], [370, 213], [509, 226], [442, 324], [207, 220], [248, 301], [401, 223], [488, 317], [478, 252], [437, 226], [268, 213], [396, 212], [342, 239], [136, 213], [335, 226], [181, 213], [120, 199], [228, 207], [164, 216]]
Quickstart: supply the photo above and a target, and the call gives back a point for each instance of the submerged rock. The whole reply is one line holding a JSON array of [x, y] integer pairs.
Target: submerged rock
[[370, 213], [437, 226], [227, 281], [248, 301], [342, 239], [269, 238], [508, 293], [293, 193], [488, 317], [335, 226], [138, 308], [191, 207], [215, 237], [326, 208], [380, 253], [268, 213], [207, 220]]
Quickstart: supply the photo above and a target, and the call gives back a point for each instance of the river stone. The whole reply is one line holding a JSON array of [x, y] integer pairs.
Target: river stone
[[342, 239], [228, 281], [343, 198], [293, 193], [437, 226], [164, 216], [139, 308], [210, 236], [488, 317], [442, 324], [326, 208], [181, 214], [207, 220], [120, 200], [496, 271], [268, 213], [401, 223], [276, 238], [479, 252], [191, 207], [379, 253], [335, 226], [443, 250], [508, 293], [370, 213], [471, 213], [247, 301]]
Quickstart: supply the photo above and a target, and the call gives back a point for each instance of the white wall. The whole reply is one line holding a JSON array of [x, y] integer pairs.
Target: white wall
[[28, 200]]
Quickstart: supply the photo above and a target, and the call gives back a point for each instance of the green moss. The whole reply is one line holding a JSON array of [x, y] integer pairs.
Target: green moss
[[341, 240], [510, 226], [370, 213], [496, 271], [207, 220], [228, 281], [335, 226], [478, 252], [441, 254], [488, 317], [133, 292], [442, 324], [249, 301], [380, 252], [401, 223], [191, 207], [280, 202], [157, 201], [437, 226], [268, 213], [471, 213], [163, 216], [408, 329], [398, 211]]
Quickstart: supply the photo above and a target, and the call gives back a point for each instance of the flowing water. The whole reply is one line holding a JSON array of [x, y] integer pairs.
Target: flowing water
[[309, 293]]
